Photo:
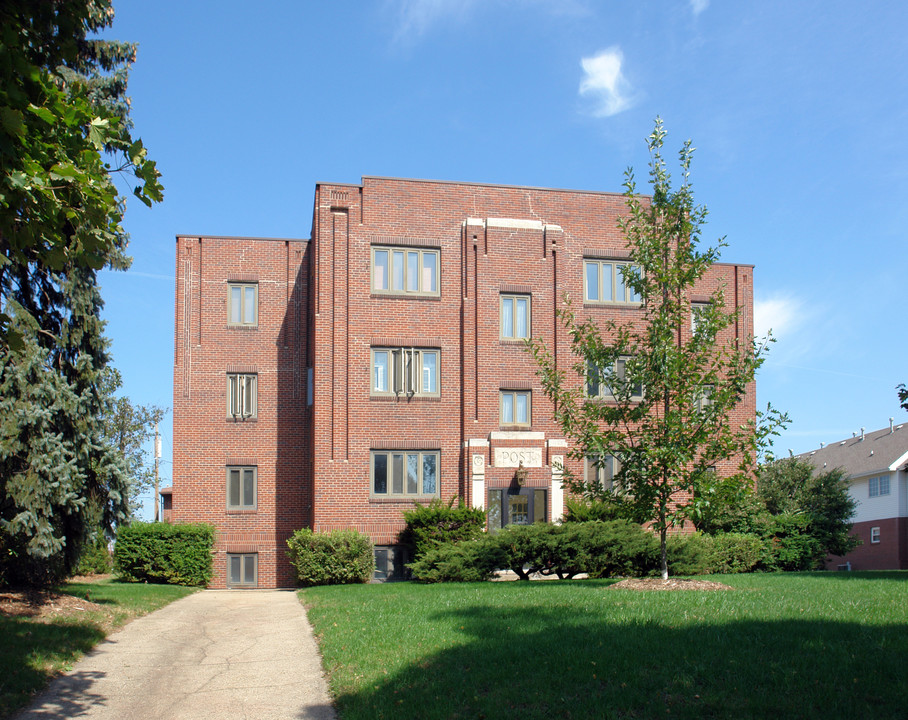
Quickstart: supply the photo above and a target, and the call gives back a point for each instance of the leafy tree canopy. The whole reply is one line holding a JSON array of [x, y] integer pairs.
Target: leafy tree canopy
[[795, 487], [666, 415], [64, 133]]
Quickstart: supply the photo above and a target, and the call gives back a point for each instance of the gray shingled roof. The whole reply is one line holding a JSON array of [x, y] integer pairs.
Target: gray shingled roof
[[878, 452]]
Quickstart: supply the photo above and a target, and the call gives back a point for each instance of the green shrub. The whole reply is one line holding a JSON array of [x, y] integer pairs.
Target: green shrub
[[792, 546], [690, 554], [467, 561], [177, 554], [439, 522], [95, 558], [338, 557], [582, 510], [619, 547], [601, 549], [736, 553]]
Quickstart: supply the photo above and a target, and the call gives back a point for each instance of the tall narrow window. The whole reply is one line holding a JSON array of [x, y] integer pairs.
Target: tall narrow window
[[600, 470], [604, 282], [242, 303], [242, 396], [404, 473], [697, 309], [241, 488], [404, 271], [404, 371], [515, 407], [515, 317]]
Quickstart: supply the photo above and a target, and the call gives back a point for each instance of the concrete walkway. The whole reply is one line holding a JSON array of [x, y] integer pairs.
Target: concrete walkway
[[215, 654]]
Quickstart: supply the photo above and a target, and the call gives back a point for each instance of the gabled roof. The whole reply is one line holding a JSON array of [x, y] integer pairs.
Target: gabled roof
[[879, 451]]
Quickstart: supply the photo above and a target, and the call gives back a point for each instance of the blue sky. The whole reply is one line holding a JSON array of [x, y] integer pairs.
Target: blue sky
[[799, 111]]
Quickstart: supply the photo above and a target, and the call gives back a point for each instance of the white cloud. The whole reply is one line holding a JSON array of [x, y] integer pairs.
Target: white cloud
[[780, 313], [698, 6], [416, 16], [605, 82]]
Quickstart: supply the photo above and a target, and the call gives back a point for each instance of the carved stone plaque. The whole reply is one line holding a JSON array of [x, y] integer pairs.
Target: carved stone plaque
[[512, 457]]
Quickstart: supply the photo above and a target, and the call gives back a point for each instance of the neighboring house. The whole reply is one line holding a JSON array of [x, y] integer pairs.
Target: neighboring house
[[876, 465], [333, 382]]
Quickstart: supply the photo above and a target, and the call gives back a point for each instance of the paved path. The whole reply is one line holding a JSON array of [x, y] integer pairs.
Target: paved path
[[215, 654]]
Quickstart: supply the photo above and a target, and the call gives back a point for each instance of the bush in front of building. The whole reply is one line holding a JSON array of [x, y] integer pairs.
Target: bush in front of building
[[467, 561], [736, 553], [338, 557], [177, 554], [440, 522], [600, 549], [690, 554]]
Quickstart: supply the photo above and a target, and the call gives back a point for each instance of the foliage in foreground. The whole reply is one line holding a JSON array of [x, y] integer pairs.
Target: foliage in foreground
[[658, 394], [825, 645], [431, 524], [332, 558], [36, 649], [599, 549], [164, 553], [64, 129]]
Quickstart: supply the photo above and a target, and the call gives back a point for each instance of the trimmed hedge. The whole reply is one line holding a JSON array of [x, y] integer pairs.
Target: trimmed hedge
[[164, 553], [736, 553], [601, 549], [438, 522], [338, 557]]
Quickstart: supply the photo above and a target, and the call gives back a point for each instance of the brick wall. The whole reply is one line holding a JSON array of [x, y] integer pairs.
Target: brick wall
[[317, 309]]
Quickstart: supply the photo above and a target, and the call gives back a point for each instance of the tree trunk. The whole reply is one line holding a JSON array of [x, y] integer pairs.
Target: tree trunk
[[663, 534]]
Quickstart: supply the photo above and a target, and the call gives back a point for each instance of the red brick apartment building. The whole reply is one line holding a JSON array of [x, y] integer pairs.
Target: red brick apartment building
[[331, 382]]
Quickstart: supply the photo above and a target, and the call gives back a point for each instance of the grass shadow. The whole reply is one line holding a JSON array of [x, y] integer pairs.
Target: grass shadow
[[26, 643]]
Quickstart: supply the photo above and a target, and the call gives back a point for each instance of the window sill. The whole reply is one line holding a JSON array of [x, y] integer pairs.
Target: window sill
[[592, 304], [404, 296], [231, 326], [240, 421], [408, 500], [237, 511], [520, 342], [405, 398], [518, 428]]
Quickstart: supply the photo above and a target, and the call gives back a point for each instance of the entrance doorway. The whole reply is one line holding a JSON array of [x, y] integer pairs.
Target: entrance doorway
[[516, 506]]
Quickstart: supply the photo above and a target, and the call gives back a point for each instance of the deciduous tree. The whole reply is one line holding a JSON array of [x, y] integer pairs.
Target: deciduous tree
[[666, 410]]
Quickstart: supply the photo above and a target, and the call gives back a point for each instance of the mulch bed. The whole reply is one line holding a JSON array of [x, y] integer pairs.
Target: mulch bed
[[46, 604], [670, 584]]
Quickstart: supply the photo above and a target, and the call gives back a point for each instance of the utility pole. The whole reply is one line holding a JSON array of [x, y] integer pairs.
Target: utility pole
[[157, 460]]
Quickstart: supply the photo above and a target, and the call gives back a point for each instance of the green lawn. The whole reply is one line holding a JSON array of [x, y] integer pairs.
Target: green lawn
[[811, 645], [33, 650]]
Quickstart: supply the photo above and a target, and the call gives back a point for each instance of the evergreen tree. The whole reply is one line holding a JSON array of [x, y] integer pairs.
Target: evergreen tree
[[667, 420], [64, 130]]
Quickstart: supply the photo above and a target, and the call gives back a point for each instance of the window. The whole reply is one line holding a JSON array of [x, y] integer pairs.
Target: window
[[515, 317], [603, 282], [879, 486], [704, 399], [516, 506], [404, 473], [403, 271], [874, 535], [696, 310], [242, 569], [242, 396], [241, 488], [515, 407], [407, 371], [242, 303], [611, 383], [601, 470]]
